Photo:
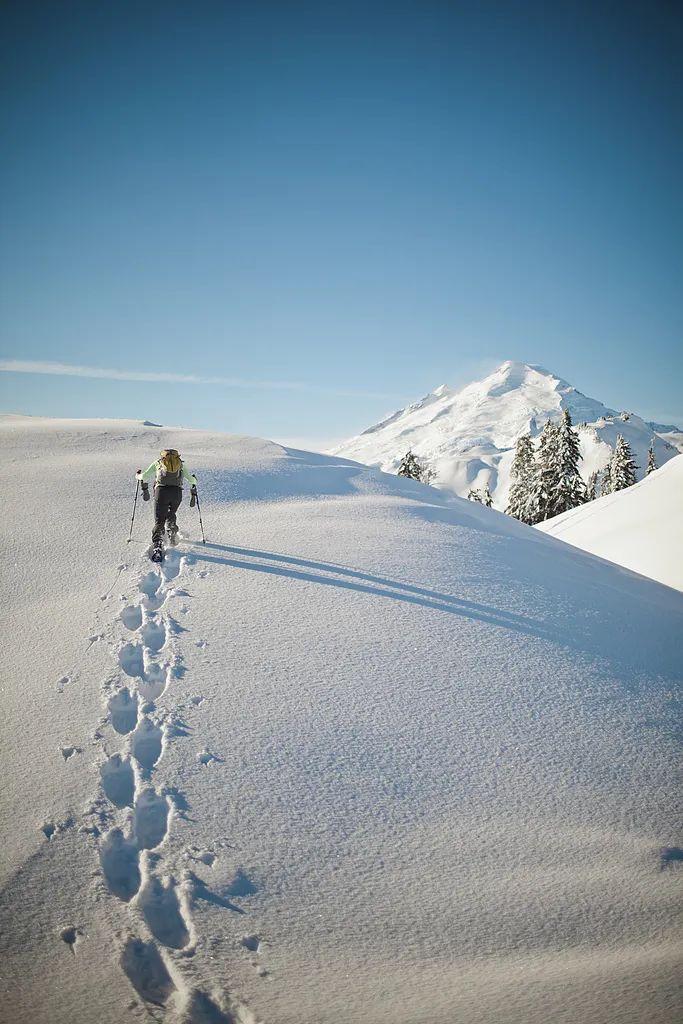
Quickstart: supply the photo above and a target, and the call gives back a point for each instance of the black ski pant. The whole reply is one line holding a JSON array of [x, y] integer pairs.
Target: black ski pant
[[166, 502]]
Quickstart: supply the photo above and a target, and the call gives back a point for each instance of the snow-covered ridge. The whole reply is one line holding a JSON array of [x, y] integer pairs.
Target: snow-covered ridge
[[640, 527], [468, 436], [669, 432], [367, 721], [373, 753]]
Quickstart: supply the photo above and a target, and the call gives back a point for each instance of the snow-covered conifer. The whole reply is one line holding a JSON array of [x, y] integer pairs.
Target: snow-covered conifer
[[570, 489], [651, 458], [622, 466], [606, 478], [592, 486], [522, 474], [483, 497], [548, 474], [410, 467]]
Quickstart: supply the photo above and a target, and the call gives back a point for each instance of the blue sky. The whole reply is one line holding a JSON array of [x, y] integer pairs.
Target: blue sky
[[328, 209]]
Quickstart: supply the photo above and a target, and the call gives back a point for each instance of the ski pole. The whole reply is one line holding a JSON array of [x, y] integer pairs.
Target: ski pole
[[137, 488], [200, 518]]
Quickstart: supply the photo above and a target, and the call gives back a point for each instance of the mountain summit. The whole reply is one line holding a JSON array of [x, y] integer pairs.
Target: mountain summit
[[468, 436]]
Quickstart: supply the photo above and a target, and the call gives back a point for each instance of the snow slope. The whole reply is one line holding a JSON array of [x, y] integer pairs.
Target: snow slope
[[669, 432], [468, 436], [640, 527], [373, 754]]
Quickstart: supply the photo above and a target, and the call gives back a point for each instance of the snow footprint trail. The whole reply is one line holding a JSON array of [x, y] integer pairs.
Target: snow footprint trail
[[139, 659], [202, 1010], [119, 858], [118, 780], [172, 565], [131, 616], [146, 971], [154, 634], [125, 779], [149, 585], [131, 660], [152, 813], [165, 911], [141, 813], [123, 711], [147, 743]]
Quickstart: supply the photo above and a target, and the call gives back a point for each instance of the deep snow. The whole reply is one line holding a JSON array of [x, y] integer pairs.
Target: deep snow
[[372, 754], [467, 437], [640, 527]]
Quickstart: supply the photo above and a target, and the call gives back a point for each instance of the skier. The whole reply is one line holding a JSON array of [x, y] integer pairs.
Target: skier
[[169, 472]]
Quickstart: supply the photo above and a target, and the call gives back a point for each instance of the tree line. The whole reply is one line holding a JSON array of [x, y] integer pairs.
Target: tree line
[[545, 477]]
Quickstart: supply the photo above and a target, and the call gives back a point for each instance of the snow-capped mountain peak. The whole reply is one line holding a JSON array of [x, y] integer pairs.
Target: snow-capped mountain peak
[[468, 435]]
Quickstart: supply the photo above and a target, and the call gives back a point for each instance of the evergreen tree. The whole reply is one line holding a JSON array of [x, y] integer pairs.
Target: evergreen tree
[[523, 474], [592, 487], [482, 497], [548, 474], [651, 459], [606, 479], [570, 489], [410, 467], [622, 466]]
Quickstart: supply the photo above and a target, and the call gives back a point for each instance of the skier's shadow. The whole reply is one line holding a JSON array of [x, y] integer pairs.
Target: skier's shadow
[[310, 571]]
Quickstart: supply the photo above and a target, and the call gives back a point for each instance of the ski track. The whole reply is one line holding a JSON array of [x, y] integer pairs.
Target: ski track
[[137, 815]]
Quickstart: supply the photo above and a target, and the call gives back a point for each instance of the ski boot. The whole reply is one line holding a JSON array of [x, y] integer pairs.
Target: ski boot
[[156, 552]]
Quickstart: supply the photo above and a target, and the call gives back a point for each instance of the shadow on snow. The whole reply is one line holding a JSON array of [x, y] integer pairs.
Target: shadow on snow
[[365, 583]]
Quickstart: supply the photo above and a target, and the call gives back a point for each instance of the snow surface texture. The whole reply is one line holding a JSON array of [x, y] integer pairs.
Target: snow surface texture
[[468, 437], [640, 527], [373, 754], [674, 436]]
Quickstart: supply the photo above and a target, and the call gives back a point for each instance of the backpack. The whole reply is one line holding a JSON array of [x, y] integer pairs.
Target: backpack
[[169, 469]]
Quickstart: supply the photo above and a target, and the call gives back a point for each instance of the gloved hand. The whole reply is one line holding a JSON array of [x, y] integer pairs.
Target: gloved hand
[[193, 495], [145, 491]]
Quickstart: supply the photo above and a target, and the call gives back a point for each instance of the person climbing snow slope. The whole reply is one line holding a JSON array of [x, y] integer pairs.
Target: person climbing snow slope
[[169, 472]]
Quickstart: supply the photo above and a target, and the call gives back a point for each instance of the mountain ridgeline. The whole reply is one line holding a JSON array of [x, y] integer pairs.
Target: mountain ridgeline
[[467, 438]]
